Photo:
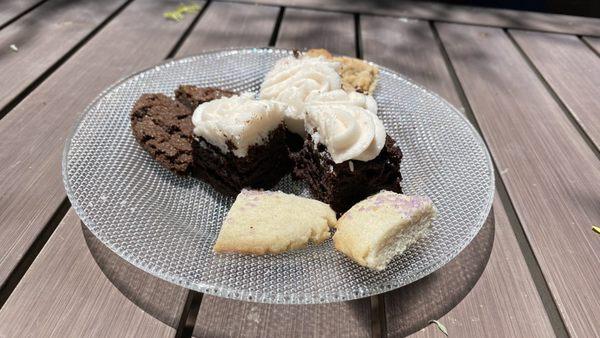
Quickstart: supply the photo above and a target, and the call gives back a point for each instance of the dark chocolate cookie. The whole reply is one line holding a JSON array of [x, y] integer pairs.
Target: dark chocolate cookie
[[192, 96], [163, 127]]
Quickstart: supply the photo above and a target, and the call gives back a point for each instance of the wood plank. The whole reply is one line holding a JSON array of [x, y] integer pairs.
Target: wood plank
[[550, 173], [31, 183], [11, 9], [410, 48], [253, 28], [311, 29], [228, 318], [504, 302], [65, 294], [594, 43], [572, 70], [157, 297], [452, 13], [43, 36]]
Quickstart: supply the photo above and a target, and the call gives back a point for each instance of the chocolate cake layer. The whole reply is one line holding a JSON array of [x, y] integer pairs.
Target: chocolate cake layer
[[261, 168], [342, 185]]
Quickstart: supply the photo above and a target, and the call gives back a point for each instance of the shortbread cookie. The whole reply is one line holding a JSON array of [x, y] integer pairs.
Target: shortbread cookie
[[267, 222], [383, 226], [357, 75]]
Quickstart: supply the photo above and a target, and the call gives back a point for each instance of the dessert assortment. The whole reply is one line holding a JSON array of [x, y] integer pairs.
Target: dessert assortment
[[315, 118]]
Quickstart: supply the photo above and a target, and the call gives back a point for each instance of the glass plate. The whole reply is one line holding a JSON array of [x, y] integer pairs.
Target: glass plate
[[167, 225]]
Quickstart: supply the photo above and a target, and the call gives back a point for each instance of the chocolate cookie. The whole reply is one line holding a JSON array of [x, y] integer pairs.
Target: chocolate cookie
[[192, 96], [163, 127]]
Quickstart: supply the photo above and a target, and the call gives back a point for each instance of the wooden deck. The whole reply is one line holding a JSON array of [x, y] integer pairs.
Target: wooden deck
[[529, 82]]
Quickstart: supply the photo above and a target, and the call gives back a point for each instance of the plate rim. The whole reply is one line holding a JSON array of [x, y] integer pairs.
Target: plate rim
[[263, 297]]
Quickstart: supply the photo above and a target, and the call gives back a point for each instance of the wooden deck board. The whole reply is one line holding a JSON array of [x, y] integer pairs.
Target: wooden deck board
[[572, 70], [593, 42], [219, 317], [505, 301], [65, 294], [11, 9], [410, 48], [452, 13], [550, 173], [226, 25], [311, 29], [31, 184], [42, 37]]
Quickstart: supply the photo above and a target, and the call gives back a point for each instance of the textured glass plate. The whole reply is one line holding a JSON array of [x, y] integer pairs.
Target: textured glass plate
[[167, 225]]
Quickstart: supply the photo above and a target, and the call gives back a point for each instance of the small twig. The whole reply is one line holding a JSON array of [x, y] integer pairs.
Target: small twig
[[440, 327]]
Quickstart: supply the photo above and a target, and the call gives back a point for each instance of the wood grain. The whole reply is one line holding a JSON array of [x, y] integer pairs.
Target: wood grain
[[219, 317], [11, 9], [311, 29], [228, 318], [226, 25], [410, 48], [64, 294], [550, 173], [452, 13], [594, 43], [572, 70], [504, 302], [159, 298], [43, 36], [33, 134]]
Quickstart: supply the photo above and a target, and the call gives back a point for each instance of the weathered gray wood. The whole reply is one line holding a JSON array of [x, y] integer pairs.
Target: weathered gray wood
[[550, 173], [228, 318], [453, 13], [11, 9], [410, 48], [33, 134], [312, 29], [220, 317], [593, 42], [573, 72], [410, 308], [42, 37], [64, 294], [504, 302], [159, 298], [225, 25]]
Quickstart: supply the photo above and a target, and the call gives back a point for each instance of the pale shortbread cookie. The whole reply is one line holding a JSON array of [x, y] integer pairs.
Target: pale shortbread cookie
[[357, 75], [263, 222], [382, 226]]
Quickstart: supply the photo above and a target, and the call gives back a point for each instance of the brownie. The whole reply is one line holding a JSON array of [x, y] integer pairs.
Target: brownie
[[261, 168], [342, 185], [163, 127], [192, 96]]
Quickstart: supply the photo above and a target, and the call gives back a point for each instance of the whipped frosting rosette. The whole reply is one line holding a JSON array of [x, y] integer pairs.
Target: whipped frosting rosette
[[346, 123], [292, 79]]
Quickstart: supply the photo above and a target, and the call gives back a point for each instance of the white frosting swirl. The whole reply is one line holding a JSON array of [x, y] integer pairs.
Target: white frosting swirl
[[292, 79], [241, 120], [346, 123]]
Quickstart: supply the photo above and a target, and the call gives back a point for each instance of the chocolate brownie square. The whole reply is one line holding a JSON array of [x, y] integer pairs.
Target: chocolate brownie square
[[262, 167], [342, 185]]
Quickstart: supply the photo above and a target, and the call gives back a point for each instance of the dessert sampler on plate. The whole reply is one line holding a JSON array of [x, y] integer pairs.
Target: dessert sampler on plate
[[314, 117]]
